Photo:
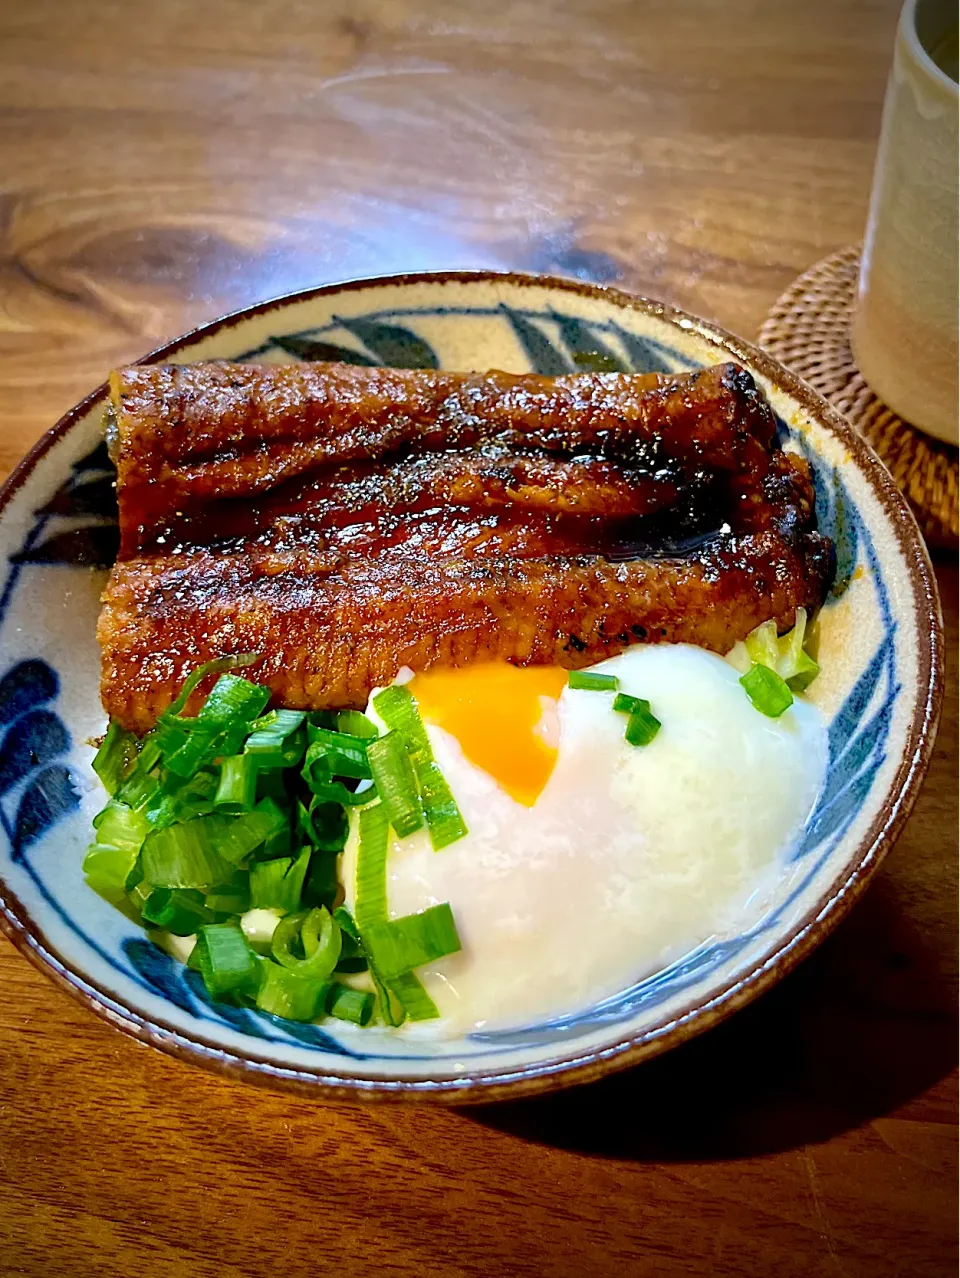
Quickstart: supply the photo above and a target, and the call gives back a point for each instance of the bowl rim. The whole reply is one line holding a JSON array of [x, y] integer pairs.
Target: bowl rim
[[500, 1083]]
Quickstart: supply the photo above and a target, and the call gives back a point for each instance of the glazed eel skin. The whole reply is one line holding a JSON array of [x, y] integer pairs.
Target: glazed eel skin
[[344, 522]]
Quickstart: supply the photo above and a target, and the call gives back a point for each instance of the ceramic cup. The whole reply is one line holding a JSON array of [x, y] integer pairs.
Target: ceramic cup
[[905, 329]]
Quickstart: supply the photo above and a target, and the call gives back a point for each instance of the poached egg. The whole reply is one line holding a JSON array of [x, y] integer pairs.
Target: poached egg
[[590, 863]]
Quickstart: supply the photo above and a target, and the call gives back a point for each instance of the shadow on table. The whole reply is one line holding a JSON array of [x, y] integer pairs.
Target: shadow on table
[[864, 1025]]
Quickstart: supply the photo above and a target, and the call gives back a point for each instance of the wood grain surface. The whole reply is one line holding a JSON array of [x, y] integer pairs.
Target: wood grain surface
[[162, 163]]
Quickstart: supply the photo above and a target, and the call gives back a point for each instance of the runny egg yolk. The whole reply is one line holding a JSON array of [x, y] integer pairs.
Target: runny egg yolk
[[500, 715]]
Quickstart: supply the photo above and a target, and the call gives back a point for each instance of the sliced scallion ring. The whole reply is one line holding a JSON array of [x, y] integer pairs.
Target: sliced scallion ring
[[319, 936]]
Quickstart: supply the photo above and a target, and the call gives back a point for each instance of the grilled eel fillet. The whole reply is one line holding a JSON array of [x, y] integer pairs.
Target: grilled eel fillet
[[346, 521]]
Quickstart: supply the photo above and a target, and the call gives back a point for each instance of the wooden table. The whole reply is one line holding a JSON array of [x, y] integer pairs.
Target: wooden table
[[165, 162]]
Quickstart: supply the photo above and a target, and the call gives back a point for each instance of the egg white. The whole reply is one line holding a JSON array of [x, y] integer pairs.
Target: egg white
[[629, 858]]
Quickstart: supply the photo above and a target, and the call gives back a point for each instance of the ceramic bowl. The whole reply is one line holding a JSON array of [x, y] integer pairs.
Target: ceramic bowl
[[880, 689]]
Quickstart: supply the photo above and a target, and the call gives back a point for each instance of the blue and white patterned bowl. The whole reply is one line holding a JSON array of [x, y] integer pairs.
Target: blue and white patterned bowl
[[880, 690]]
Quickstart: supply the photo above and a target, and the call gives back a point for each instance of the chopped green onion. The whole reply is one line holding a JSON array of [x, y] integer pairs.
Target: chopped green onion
[[278, 723], [275, 725], [345, 921], [278, 739], [322, 886], [392, 1009], [294, 879], [278, 884], [287, 934], [355, 724], [110, 861], [169, 735], [120, 826], [196, 844], [218, 666], [623, 703], [266, 884], [642, 726], [796, 664], [811, 635], [392, 1012], [322, 718], [337, 754], [236, 837], [107, 870], [370, 898], [348, 1004], [140, 892], [416, 1003], [792, 656], [398, 709], [284, 993], [337, 792], [233, 705], [181, 798], [297, 876], [225, 960], [404, 997], [320, 934], [220, 727], [398, 946], [333, 754], [223, 840], [590, 681], [116, 758], [768, 692], [279, 842], [141, 786], [806, 670], [181, 911], [763, 645], [272, 784], [396, 783], [237, 791], [325, 825], [232, 897], [445, 821], [319, 937], [352, 958], [184, 856]]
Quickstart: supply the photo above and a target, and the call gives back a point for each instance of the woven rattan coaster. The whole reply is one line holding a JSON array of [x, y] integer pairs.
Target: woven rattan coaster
[[808, 329]]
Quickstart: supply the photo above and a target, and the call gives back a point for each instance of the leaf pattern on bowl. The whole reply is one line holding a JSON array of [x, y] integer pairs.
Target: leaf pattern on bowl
[[544, 357], [27, 684], [90, 547], [78, 524], [49, 796], [97, 496], [42, 790], [589, 353], [392, 344], [554, 342], [31, 742], [309, 348]]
